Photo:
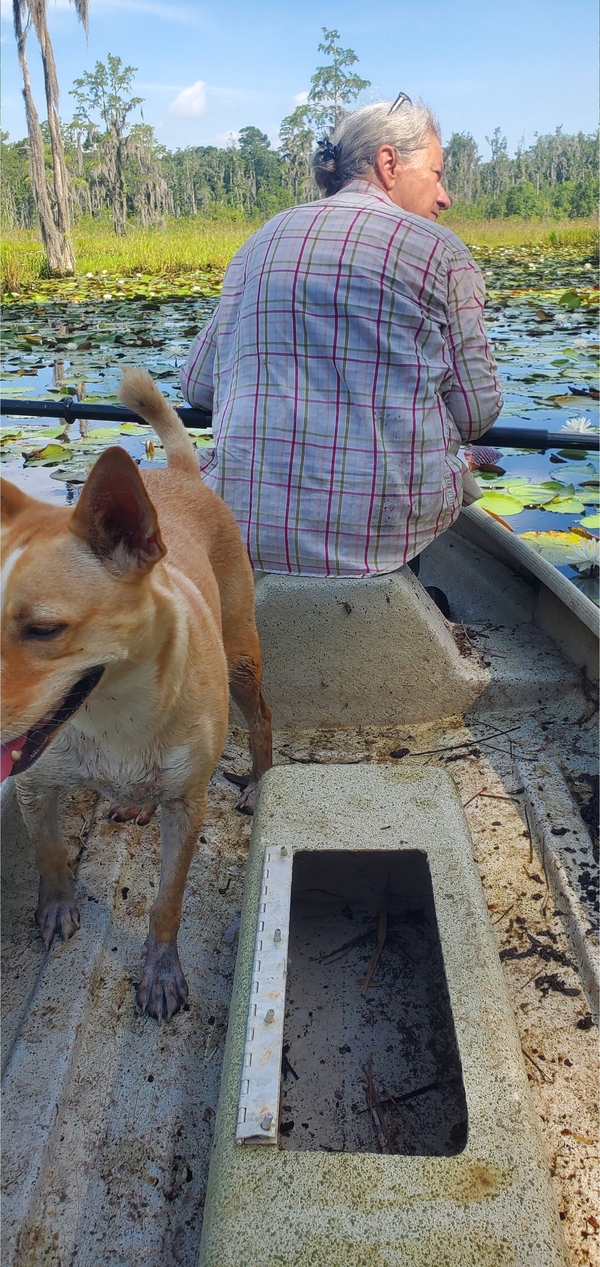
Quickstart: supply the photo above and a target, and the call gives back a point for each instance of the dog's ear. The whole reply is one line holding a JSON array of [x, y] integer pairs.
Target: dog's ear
[[116, 518], [12, 501]]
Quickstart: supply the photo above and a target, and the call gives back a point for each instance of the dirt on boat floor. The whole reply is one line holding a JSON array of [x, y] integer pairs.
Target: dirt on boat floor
[[124, 1179]]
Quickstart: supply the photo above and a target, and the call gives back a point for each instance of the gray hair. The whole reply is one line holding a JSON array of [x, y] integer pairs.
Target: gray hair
[[354, 144]]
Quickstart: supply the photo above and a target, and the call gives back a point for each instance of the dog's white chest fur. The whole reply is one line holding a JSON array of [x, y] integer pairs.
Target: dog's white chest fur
[[115, 744]]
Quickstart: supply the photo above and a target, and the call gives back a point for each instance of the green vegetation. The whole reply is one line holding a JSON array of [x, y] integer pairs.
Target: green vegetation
[[516, 231], [70, 338], [187, 255], [103, 109], [556, 177], [332, 88], [105, 163], [111, 164], [187, 249]]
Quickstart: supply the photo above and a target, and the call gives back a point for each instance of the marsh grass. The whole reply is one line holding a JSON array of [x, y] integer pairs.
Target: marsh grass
[[175, 247], [202, 245], [513, 231]]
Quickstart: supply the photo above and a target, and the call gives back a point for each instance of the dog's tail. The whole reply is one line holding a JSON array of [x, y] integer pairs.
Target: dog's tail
[[138, 392]]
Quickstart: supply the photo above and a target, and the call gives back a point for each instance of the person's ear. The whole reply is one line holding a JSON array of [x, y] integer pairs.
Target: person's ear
[[386, 166]]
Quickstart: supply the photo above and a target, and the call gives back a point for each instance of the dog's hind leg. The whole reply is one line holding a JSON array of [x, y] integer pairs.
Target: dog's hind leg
[[163, 987], [245, 683], [57, 910]]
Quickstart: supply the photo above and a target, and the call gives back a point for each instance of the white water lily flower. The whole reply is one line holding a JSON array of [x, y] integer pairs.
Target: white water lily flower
[[580, 425], [585, 556], [175, 352]]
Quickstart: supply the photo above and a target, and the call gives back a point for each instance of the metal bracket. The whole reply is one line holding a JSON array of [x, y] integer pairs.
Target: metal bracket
[[258, 1116]]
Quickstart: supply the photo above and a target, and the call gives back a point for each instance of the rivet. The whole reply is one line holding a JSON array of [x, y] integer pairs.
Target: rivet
[[270, 1016], [266, 1122], [283, 851], [277, 935]]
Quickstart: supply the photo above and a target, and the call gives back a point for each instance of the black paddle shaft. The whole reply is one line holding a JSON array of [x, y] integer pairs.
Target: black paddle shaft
[[69, 410]]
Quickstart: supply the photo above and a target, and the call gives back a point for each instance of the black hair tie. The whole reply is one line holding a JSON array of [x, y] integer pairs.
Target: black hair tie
[[328, 153]]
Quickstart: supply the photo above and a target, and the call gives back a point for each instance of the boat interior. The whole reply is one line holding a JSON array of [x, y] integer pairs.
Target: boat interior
[[109, 1117]]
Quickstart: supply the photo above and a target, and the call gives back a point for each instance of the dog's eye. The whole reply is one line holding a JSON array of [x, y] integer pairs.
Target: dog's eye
[[38, 633]]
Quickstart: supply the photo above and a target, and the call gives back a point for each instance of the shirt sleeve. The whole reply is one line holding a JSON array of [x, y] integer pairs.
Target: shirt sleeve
[[475, 398], [196, 375]]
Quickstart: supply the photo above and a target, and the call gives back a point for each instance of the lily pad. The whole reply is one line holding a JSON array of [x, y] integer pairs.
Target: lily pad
[[566, 506], [530, 494], [104, 435], [500, 504], [589, 496], [74, 473], [32, 436], [50, 455], [574, 455], [570, 300], [555, 546], [590, 521], [580, 472]]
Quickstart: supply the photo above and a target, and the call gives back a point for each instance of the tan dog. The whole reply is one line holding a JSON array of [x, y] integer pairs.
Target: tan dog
[[116, 665]]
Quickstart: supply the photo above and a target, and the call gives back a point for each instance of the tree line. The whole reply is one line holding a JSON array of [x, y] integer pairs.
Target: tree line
[[556, 176], [106, 162]]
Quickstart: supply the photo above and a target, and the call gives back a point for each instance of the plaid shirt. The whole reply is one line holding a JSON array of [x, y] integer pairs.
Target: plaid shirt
[[346, 362]]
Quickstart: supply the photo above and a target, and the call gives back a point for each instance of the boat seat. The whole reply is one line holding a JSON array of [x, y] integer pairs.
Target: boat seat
[[346, 651]]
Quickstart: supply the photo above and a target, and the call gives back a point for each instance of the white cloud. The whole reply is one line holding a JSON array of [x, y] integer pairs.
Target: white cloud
[[300, 99], [191, 102], [227, 138]]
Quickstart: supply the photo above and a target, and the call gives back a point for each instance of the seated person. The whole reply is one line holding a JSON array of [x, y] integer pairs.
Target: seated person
[[348, 360]]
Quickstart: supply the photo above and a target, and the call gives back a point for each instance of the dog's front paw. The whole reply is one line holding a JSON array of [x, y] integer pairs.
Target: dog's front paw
[[163, 987], [139, 814], [57, 913]]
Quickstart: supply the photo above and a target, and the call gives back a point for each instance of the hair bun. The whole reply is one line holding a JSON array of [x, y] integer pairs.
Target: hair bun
[[326, 166], [327, 152]]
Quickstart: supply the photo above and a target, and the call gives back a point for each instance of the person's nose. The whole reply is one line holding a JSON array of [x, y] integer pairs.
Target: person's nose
[[443, 199]]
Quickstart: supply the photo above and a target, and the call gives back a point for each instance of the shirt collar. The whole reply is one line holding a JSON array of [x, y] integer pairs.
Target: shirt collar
[[360, 185]]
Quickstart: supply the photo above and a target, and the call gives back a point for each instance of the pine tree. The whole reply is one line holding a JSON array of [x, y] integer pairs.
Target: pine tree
[[331, 88]]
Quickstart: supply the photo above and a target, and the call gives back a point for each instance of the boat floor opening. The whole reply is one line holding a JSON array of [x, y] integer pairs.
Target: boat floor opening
[[371, 1062]]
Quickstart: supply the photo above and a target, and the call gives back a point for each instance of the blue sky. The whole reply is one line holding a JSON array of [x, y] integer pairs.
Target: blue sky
[[207, 69]]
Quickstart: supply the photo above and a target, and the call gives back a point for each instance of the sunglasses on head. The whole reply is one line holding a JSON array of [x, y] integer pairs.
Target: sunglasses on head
[[400, 99]]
